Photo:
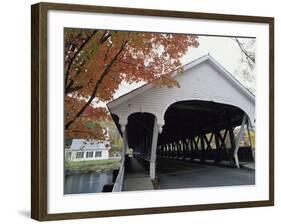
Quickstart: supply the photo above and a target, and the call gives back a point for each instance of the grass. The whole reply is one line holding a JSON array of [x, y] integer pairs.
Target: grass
[[94, 166]]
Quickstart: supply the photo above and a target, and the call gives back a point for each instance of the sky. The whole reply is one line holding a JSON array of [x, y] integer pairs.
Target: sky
[[224, 49]]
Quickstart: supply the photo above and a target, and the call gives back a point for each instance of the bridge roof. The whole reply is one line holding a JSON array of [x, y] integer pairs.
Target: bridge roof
[[208, 96], [206, 58]]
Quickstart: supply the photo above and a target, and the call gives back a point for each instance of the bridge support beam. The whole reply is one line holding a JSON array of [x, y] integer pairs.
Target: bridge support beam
[[237, 143], [125, 140], [152, 169]]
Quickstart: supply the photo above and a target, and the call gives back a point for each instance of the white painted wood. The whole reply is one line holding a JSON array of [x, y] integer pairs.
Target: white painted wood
[[203, 79], [118, 185], [237, 142], [88, 150], [125, 142], [153, 150]]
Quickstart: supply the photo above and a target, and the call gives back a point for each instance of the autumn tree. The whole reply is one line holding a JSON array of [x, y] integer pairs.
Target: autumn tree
[[97, 61], [88, 125]]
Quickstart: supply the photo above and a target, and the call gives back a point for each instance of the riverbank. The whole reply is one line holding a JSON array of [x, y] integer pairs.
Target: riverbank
[[96, 166]]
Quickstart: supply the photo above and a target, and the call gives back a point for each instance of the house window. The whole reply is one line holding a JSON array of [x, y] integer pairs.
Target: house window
[[98, 154], [89, 154], [79, 155]]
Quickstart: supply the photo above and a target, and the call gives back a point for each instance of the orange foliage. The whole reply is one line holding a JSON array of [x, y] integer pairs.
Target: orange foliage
[[96, 62]]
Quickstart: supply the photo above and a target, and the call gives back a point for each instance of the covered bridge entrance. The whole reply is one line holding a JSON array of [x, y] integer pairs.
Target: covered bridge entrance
[[194, 122]]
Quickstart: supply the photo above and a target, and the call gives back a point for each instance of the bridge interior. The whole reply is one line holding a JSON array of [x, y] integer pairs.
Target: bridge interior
[[194, 131]]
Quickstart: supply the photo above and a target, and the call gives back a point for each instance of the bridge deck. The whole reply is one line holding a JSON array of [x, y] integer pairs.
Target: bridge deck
[[172, 174], [182, 174], [136, 177]]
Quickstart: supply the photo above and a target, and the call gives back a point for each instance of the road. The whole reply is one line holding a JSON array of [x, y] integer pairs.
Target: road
[[180, 174]]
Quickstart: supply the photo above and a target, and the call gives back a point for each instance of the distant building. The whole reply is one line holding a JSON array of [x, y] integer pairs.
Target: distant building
[[83, 150]]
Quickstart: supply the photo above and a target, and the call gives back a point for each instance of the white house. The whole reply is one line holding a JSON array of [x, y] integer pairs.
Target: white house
[[83, 150]]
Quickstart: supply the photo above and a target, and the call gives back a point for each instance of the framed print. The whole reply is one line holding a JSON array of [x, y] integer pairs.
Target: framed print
[[138, 111]]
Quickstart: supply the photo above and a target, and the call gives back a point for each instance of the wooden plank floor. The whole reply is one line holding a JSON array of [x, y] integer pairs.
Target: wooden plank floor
[[136, 177]]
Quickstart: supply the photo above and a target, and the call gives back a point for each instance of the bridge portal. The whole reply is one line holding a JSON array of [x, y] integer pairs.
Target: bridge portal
[[203, 120]]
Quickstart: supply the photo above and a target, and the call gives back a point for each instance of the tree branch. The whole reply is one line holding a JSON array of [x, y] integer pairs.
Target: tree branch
[[104, 37], [132, 64], [67, 70], [93, 95], [71, 89], [244, 51]]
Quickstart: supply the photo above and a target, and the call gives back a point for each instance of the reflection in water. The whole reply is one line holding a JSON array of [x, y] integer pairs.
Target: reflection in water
[[86, 182]]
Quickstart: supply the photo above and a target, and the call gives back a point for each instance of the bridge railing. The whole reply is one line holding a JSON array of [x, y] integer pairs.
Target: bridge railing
[[118, 185], [245, 154]]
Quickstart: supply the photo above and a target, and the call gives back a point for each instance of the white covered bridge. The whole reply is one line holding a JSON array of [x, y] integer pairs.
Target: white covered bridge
[[182, 122]]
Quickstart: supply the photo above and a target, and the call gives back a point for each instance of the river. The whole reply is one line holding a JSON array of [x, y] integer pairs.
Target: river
[[86, 182]]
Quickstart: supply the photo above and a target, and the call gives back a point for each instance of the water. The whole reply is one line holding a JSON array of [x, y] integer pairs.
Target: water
[[86, 182]]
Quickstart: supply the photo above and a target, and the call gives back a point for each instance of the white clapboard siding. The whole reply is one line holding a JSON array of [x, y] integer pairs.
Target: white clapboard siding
[[203, 79]]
